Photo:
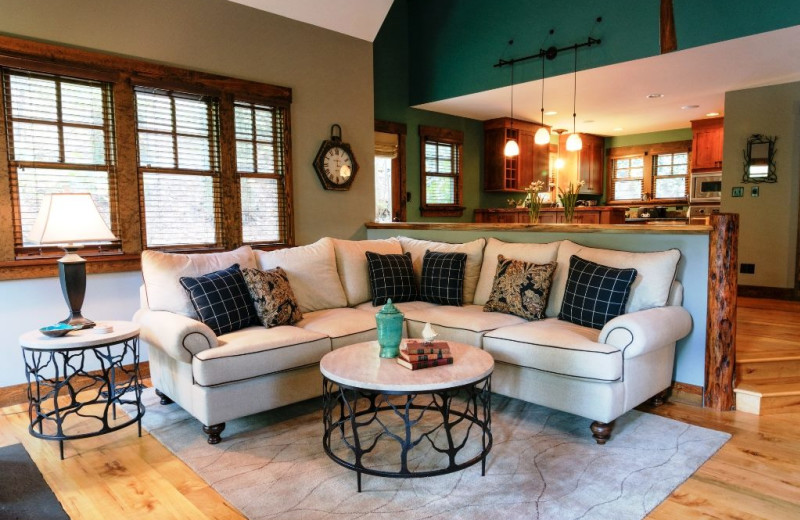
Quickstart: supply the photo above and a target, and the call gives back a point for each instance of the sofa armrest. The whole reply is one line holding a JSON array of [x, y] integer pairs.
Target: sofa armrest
[[640, 332], [179, 336]]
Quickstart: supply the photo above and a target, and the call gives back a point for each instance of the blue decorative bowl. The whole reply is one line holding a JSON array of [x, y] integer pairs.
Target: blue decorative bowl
[[58, 330]]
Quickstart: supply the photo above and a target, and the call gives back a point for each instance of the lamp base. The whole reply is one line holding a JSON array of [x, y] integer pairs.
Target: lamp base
[[76, 320], [72, 274]]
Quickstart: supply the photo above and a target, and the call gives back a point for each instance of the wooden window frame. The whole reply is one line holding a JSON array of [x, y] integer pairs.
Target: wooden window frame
[[455, 138], [649, 152], [123, 73]]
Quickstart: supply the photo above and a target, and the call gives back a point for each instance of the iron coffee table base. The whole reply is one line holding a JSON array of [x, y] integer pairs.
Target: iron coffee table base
[[348, 411]]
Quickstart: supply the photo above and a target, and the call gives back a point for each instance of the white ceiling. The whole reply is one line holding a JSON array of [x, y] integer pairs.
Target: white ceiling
[[615, 96], [358, 18]]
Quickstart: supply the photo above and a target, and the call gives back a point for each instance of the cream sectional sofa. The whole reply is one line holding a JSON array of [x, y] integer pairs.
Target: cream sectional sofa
[[598, 374]]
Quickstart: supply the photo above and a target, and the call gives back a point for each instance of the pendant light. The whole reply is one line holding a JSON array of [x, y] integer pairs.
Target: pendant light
[[574, 142], [512, 147], [543, 134]]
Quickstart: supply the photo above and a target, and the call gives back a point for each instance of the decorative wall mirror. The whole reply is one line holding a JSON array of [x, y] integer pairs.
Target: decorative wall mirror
[[759, 159]]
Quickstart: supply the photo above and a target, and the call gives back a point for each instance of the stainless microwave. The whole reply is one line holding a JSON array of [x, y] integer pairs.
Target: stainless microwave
[[706, 187]]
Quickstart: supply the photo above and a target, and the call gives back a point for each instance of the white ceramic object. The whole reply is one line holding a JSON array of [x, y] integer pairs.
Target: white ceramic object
[[428, 334]]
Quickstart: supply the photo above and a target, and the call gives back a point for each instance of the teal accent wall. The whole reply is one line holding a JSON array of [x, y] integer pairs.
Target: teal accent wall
[[681, 134], [454, 43]]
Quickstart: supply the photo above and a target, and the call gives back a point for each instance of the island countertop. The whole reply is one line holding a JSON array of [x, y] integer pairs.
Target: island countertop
[[630, 229]]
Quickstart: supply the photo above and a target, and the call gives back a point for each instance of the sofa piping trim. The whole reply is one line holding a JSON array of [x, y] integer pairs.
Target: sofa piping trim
[[579, 378], [309, 365], [183, 342], [557, 347], [265, 350], [482, 331]]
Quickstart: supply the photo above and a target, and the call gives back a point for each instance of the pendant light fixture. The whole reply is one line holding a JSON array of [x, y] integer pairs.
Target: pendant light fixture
[[512, 147], [543, 134], [574, 142]]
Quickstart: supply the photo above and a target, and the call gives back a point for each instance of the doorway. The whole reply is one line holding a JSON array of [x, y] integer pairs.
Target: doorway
[[390, 172]]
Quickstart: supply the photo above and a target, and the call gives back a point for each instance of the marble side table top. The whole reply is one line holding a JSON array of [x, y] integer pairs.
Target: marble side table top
[[85, 338], [360, 366]]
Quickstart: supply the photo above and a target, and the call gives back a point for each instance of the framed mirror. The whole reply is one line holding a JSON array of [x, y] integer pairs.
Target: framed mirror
[[759, 159]]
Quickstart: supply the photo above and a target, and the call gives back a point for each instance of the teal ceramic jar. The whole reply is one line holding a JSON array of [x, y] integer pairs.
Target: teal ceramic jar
[[390, 330]]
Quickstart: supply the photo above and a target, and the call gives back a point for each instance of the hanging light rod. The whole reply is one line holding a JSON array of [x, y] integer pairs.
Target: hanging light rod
[[550, 53]]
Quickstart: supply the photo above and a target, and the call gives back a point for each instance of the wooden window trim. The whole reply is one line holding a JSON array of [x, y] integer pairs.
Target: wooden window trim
[[123, 73], [648, 184], [450, 136]]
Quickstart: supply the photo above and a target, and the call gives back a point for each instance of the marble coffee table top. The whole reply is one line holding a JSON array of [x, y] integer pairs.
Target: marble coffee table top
[[360, 366]]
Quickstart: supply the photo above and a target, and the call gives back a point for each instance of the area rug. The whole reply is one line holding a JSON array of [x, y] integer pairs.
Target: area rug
[[543, 465], [24, 493]]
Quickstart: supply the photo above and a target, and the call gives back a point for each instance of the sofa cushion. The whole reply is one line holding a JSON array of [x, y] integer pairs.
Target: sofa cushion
[[520, 288], [558, 347], [344, 326], [404, 307], [161, 272], [442, 279], [272, 296], [312, 273], [351, 262], [532, 253], [258, 351], [221, 299], [468, 317], [473, 250], [595, 293], [391, 277], [655, 274]]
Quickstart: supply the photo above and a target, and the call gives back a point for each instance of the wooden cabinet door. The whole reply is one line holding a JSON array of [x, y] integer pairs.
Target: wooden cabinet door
[[707, 140], [590, 164]]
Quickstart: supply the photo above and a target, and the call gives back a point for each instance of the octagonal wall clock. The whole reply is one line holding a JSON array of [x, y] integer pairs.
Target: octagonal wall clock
[[335, 163]]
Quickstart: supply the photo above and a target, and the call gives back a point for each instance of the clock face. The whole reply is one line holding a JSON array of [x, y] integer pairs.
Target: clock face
[[337, 165]]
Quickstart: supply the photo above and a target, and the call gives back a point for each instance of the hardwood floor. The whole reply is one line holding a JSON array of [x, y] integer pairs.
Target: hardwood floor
[[756, 475]]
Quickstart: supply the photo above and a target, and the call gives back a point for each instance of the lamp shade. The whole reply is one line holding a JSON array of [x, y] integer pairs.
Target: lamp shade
[[542, 136], [574, 142], [511, 149], [68, 218]]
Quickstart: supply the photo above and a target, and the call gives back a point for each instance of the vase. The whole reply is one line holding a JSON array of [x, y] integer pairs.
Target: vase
[[569, 213], [534, 216], [390, 330]]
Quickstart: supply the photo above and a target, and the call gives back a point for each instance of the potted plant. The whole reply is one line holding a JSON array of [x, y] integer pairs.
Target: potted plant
[[568, 199], [535, 201]]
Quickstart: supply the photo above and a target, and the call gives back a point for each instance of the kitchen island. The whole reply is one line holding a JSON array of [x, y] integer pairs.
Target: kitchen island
[[583, 215]]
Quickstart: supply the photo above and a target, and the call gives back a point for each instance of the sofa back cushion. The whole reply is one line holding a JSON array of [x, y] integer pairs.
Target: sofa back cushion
[[530, 253], [351, 262], [162, 271], [655, 274], [473, 250], [312, 274]]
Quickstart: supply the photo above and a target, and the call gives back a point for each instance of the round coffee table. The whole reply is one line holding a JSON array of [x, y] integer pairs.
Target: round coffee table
[[400, 423]]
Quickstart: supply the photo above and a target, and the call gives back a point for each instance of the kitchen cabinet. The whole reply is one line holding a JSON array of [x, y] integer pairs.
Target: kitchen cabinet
[[583, 215], [707, 139], [513, 174], [585, 165]]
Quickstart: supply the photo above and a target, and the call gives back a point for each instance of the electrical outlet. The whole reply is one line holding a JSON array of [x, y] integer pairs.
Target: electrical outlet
[[754, 191], [747, 268]]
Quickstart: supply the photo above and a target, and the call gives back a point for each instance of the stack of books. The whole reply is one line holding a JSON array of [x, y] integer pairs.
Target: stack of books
[[416, 354]]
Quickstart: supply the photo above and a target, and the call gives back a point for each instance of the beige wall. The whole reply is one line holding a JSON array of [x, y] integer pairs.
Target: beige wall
[[768, 223], [330, 75]]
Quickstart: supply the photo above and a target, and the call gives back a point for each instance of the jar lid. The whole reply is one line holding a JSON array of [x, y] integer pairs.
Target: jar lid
[[389, 308]]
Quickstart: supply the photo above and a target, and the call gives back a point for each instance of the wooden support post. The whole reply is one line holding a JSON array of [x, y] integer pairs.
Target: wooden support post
[[721, 318]]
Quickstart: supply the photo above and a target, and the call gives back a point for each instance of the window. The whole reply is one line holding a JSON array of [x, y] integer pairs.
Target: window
[[60, 138], [175, 159], [441, 179], [178, 168], [261, 169], [656, 172]]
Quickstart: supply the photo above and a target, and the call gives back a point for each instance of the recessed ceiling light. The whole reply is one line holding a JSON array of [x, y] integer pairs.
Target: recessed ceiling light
[[654, 96], [589, 121], [619, 129], [690, 107], [550, 113], [712, 114]]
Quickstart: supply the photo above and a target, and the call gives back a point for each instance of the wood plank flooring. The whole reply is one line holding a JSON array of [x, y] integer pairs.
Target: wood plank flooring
[[756, 475]]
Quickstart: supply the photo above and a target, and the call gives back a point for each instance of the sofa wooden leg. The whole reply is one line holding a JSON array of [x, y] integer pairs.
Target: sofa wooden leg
[[660, 398], [213, 432], [164, 397], [601, 431]]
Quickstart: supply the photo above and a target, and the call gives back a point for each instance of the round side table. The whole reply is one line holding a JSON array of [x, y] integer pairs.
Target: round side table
[[63, 391]]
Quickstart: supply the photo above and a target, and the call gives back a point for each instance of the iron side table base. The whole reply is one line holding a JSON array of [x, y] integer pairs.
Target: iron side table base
[[476, 412]]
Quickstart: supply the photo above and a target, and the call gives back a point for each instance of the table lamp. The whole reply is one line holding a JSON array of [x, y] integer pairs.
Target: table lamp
[[69, 219]]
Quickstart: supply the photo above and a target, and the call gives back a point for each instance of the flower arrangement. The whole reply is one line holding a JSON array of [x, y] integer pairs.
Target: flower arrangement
[[568, 199], [535, 201]]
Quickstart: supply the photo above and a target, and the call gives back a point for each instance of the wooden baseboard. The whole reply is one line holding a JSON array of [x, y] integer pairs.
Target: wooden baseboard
[[687, 394], [775, 293], [18, 394]]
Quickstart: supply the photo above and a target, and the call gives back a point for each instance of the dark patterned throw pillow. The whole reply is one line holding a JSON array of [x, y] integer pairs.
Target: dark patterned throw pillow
[[520, 288], [391, 276], [595, 293], [221, 300], [443, 278], [272, 296]]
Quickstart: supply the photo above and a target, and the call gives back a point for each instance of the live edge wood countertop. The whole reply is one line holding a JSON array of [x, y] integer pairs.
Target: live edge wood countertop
[[633, 229]]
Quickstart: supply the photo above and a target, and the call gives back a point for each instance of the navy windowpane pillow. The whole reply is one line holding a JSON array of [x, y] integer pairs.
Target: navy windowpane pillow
[[595, 293], [222, 300], [443, 278], [391, 276]]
